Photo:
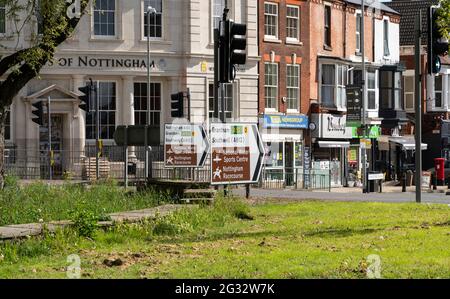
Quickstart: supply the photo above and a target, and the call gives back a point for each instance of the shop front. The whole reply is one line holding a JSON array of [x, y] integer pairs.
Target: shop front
[[283, 137], [331, 141]]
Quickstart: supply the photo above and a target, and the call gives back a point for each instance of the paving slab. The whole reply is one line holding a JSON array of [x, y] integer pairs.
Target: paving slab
[[17, 231]]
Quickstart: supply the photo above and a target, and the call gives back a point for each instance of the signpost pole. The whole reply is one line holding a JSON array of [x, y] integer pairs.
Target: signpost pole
[[363, 97], [125, 170], [418, 106], [49, 139]]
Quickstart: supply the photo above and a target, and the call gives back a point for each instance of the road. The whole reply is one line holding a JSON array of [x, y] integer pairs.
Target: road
[[339, 196]]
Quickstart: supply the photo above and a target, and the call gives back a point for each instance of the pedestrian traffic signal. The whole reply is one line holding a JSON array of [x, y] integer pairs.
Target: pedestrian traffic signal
[[39, 113], [86, 97], [437, 45], [232, 47], [177, 104]]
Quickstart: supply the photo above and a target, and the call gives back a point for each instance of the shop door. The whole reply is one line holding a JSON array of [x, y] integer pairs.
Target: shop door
[[289, 163], [55, 162]]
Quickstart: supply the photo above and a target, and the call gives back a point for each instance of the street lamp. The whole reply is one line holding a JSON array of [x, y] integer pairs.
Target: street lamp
[[150, 11]]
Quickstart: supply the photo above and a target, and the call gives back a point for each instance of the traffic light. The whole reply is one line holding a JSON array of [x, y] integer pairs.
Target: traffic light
[[233, 43], [177, 101], [39, 113], [437, 46], [86, 97]]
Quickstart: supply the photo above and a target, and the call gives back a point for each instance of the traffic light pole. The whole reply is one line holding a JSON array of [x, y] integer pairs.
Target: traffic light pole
[[97, 135], [216, 73], [418, 107], [363, 101]]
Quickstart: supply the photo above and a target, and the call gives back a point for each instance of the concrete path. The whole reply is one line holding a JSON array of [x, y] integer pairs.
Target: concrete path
[[34, 229], [352, 195]]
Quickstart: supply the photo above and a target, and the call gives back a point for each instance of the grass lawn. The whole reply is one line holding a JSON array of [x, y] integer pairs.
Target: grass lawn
[[42, 203], [284, 240]]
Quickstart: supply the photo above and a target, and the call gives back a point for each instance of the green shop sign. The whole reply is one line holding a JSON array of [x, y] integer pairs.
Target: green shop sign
[[374, 132]]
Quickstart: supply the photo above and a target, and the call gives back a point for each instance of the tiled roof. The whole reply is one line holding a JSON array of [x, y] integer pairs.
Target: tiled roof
[[408, 10], [375, 4]]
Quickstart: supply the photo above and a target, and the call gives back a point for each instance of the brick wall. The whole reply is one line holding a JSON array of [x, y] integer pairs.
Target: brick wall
[[284, 52]]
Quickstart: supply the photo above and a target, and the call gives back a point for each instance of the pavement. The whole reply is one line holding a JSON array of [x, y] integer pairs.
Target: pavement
[[390, 194], [34, 229]]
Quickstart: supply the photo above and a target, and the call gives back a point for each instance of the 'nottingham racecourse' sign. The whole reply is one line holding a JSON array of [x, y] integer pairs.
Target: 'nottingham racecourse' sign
[[86, 61]]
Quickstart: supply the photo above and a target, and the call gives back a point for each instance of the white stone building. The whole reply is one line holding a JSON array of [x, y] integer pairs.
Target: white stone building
[[110, 46]]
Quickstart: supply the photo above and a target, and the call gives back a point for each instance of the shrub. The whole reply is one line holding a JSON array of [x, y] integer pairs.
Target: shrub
[[84, 222]]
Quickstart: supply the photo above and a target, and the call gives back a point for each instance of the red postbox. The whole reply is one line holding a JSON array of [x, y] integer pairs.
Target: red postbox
[[439, 168]]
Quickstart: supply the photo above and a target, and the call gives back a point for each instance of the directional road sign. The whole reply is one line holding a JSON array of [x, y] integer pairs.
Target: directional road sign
[[185, 145], [237, 153]]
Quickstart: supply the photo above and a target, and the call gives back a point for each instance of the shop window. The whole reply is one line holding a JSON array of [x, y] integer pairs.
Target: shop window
[[438, 103], [293, 22], [271, 85], [271, 20], [293, 86], [156, 20], [105, 17], [228, 101], [298, 154], [408, 83], [107, 108], [141, 102], [274, 154]]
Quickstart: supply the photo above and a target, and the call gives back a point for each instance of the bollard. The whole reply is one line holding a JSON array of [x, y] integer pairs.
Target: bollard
[[435, 182], [448, 182], [404, 182]]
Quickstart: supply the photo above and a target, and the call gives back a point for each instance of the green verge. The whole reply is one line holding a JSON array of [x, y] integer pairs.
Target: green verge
[[40, 202], [233, 240]]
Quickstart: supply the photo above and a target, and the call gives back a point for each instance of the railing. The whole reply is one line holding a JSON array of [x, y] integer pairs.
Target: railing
[[81, 165], [295, 178]]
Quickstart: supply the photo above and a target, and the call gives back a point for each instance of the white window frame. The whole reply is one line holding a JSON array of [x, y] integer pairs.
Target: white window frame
[[277, 17], [116, 121], [339, 105], [151, 110], [358, 32], [298, 18], [409, 92], [375, 90], [441, 91], [211, 19], [116, 27], [163, 24], [271, 109], [298, 88]]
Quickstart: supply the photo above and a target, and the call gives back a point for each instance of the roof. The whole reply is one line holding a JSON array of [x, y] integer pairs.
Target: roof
[[408, 10], [375, 4]]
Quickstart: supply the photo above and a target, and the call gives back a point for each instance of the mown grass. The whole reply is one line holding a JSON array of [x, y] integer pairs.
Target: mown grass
[[290, 240], [39, 202]]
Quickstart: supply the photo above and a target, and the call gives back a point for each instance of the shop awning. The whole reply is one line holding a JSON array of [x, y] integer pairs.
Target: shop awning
[[334, 144], [407, 142]]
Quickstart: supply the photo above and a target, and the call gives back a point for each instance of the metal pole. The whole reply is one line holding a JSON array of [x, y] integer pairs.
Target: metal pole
[[418, 106], [363, 96], [149, 9], [97, 124], [49, 139], [189, 104], [216, 73]]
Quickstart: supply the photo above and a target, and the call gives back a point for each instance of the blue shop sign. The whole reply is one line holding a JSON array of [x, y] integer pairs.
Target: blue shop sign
[[286, 121]]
